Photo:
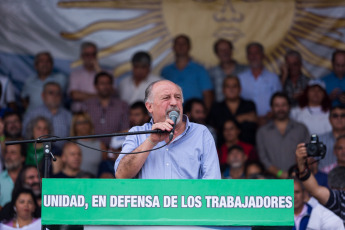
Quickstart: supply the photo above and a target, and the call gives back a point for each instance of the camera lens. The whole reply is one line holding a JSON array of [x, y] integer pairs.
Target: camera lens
[[312, 149]]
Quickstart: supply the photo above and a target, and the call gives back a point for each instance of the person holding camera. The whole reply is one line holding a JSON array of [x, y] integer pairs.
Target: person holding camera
[[333, 198]]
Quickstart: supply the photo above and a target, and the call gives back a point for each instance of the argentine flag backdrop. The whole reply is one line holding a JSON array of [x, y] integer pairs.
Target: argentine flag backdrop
[[120, 28]]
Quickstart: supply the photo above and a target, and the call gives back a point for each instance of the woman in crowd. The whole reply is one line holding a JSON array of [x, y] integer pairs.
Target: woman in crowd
[[313, 110], [231, 132], [24, 212], [235, 108], [254, 170], [82, 126], [37, 127]]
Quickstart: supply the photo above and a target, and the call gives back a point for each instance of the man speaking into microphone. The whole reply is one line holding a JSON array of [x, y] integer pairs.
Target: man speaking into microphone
[[191, 154]]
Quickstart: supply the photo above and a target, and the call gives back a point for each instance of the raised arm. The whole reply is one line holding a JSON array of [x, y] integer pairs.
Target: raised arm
[[130, 164], [321, 193]]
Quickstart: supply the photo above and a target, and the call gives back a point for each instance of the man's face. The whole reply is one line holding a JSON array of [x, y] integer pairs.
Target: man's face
[[198, 113], [236, 158], [231, 89], [89, 56], [337, 119], [294, 65], [32, 181], [43, 66], [137, 117], [339, 151], [255, 57], [339, 65], [13, 158], [13, 126], [104, 87], [140, 71], [298, 196], [166, 96], [224, 52], [52, 96], [71, 157], [181, 47], [280, 108]]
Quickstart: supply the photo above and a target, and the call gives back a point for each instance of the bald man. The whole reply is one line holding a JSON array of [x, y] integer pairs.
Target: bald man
[[191, 154]]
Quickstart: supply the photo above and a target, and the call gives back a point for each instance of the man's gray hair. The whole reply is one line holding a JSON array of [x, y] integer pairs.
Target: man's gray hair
[[336, 178], [148, 91]]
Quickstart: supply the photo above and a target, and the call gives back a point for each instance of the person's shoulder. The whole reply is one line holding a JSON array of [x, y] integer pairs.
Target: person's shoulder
[[247, 102], [269, 74], [65, 111], [266, 127], [31, 80], [298, 124], [245, 73], [3, 174], [199, 128], [125, 81], [91, 101], [145, 126], [168, 67], [77, 70], [328, 77], [326, 135], [214, 69], [119, 101], [296, 110], [39, 110], [197, 65], [58, 76]]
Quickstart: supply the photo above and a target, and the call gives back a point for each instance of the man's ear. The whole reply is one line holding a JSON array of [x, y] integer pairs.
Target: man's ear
[[148, 107]]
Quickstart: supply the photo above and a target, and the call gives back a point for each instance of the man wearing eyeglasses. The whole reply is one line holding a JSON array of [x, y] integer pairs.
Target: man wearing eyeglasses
[[33, 87], [81, 85], [53, 110], [337, 120]]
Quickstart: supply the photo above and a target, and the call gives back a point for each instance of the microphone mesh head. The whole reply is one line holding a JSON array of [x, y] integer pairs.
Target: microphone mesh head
[[173, 114]]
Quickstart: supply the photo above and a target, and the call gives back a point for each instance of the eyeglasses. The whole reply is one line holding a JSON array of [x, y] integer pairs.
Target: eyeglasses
[[335, 115]]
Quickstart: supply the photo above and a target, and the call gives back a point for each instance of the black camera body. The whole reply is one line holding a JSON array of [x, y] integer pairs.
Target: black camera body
[[316, 148]]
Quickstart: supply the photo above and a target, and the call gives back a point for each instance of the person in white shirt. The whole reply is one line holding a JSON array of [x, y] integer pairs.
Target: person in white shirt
[[314, 107], [132, 88]]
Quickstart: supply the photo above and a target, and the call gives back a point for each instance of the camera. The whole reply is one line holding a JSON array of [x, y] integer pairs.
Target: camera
[[315, 148]]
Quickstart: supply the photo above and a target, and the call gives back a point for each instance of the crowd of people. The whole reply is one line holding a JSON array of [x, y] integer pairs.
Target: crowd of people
[[252, 119]]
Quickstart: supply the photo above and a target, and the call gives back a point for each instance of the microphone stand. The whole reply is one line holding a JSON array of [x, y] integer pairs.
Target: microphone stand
[[47, 145]]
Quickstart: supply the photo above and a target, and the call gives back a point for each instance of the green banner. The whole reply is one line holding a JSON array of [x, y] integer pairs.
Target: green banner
[[168, 202]]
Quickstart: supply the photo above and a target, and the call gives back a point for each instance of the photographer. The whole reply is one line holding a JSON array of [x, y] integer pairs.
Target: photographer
[[334, 198]]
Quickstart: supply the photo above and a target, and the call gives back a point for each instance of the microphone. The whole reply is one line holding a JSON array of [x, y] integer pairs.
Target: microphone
[[173, 115]]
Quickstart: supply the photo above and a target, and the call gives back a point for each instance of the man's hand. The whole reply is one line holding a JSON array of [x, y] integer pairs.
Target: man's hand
[[167, 125], [321, 193], [96, 65], [301, 156]]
